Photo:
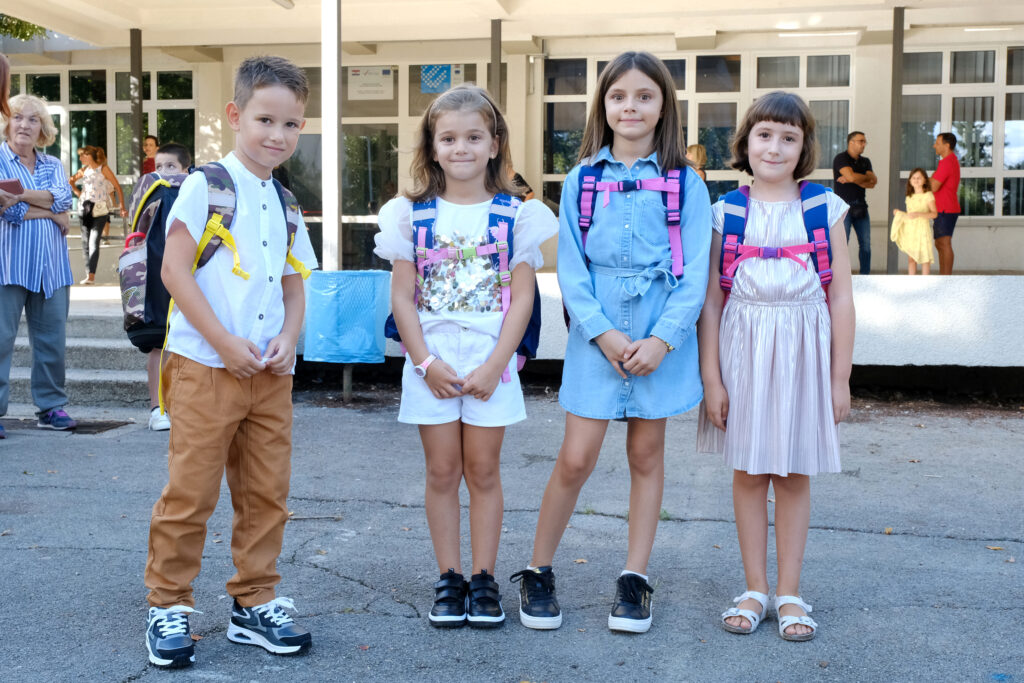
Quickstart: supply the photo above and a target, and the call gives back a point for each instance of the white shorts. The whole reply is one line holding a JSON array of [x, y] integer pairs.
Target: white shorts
[[464, 350]]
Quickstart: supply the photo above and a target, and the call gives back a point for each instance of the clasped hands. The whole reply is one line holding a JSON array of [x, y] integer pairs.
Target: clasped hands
[[444, 382], [640, 357]]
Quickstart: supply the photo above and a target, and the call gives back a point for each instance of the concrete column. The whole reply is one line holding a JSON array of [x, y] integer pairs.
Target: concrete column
[[330, 60], [135, 88], [892, 260], [494, 68]]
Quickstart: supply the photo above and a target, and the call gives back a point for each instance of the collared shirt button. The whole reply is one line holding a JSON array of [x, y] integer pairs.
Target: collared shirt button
[[627, 226], [263, 183], [271, 278], [261, 316], [264, 243], [264, 207]]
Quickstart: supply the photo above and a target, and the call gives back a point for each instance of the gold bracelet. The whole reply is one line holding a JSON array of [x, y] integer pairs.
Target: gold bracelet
[[668, 346]]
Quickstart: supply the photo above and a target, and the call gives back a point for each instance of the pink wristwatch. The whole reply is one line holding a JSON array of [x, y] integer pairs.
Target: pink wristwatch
[[421, 369]]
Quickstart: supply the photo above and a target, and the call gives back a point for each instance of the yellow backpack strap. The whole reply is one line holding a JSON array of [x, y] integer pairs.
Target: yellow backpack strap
[[295, 263]]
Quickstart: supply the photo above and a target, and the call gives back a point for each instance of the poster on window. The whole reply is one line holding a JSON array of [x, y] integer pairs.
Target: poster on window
[[436, 78], [371, 83]]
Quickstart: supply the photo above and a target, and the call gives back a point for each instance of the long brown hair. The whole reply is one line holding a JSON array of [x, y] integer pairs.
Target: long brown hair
[[5, 86], [427, 174], [910, 188], [668, 142], [780, 107]]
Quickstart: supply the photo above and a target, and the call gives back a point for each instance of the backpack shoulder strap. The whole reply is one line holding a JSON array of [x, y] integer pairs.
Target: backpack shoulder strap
[[673, 201], [500, 224], [424, 214], [814, 202], [734, 225], [293, 218], [221, 199], [588, 178]]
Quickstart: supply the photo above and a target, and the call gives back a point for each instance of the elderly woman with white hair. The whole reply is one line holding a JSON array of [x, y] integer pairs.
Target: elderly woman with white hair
[[35, 273]]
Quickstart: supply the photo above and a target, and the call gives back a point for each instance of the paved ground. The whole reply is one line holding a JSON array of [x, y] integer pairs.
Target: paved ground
[[913, 565]]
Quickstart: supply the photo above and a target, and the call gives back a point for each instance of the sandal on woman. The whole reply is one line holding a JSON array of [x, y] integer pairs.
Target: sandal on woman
[[753, 617], [786, 622]]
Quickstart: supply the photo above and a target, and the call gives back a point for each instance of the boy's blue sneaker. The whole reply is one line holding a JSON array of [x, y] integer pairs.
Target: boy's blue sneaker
[[168, 638], [56, 419], [268, 626]]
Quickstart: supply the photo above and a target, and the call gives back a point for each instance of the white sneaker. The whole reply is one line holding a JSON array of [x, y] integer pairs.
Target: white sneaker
[[158, 422]]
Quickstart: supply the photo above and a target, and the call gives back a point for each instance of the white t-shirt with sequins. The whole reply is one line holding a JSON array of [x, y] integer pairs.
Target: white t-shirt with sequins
[[465, 292]]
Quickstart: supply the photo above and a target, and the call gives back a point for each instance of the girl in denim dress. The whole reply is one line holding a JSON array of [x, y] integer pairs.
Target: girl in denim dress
[[632, 349]]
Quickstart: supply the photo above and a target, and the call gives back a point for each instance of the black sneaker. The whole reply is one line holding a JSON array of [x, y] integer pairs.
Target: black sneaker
[[449, 610], [168, 638], [484, 602], [268, 626], [538, 606], [631, 610]]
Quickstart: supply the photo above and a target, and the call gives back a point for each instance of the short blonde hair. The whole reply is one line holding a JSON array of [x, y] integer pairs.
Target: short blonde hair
[[30, 104]]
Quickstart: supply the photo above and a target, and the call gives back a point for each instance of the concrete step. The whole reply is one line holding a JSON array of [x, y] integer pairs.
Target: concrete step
[[88, 325], [89, 387], [89, 354]]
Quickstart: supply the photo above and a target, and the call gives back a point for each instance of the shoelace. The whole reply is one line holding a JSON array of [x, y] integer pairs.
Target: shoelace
[[539, 585], [274, 610], [632, 589], [173, 621]]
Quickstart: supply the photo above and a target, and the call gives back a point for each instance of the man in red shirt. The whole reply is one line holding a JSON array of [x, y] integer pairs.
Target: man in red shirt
[[944, 183]]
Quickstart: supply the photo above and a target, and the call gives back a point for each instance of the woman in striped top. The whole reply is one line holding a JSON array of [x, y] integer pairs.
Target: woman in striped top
[[35, 273]]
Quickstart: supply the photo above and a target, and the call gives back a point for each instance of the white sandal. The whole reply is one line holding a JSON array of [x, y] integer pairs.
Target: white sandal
[[753, 617], [786, 622]]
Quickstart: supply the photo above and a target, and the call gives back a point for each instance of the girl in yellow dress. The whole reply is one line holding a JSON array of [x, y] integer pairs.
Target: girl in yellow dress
[[912, 229]]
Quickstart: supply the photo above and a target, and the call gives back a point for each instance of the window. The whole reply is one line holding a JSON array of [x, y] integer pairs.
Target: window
[[369, 174], [565, 77], [314, 103], [977, 196], [88, 87], [676, 67], [123, 128], [972, 123], [1015, 66], [718, 73], [302, 174], [1013, 197], [922, 67], [832, 117], [973, 67], [177, 125], [684, 116], [15, 84], [54, 149], [825, 71], [88, 127], [46, 86], [718, 188], [174, 85], [122, 86], [563, 125], [716, 122], [920, 127], [778, 72], [1013, 144]]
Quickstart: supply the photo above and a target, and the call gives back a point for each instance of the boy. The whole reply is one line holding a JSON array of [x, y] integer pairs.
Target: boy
[[228, 380], [170, 159]]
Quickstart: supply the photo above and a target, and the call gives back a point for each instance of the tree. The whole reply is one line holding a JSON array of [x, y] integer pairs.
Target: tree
[[22, 30]]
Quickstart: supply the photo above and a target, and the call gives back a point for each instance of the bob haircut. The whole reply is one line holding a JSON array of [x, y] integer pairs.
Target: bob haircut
[[780, 107], [427, 174], [30, 105], [910, 188], [668, 142], [699, 154]]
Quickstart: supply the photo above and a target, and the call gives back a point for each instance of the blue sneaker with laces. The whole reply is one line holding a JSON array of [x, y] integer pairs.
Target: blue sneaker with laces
[[168, 638], [56, 419], [269, 626]]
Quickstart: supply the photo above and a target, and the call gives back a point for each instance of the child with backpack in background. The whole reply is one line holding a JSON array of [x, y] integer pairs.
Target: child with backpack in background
[[464, 252], [150, 204], [776, 346], [633, 292], [234, 260]]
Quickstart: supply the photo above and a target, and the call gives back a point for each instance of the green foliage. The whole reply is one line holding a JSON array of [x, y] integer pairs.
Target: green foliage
[[22, 30]]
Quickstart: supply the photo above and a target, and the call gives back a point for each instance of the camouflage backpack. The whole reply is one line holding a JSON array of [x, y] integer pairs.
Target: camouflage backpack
[[145, 300]]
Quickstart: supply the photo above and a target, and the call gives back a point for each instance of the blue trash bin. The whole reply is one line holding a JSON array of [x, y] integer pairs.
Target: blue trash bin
[[345, 313]]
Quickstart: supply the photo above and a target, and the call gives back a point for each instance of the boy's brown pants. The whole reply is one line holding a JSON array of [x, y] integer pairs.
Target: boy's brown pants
[[222, 422]]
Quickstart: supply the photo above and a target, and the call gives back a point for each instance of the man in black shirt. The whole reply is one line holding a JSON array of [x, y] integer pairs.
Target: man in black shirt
[[852, 173]]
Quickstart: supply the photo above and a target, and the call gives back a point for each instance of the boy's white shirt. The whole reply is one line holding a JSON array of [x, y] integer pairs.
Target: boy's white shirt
[[253, 308]]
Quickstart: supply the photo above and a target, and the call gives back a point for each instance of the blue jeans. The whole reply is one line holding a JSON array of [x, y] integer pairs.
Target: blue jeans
[[47, 321], [863, 227]]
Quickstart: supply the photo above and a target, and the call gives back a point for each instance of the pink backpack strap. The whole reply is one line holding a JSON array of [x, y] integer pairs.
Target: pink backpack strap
[[673, 192]]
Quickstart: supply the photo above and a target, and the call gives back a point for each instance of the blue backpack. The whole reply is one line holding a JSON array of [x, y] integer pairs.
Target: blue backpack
[[499, 248]]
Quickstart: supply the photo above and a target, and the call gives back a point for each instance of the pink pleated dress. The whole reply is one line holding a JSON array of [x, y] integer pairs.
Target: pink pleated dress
[[775, 354]]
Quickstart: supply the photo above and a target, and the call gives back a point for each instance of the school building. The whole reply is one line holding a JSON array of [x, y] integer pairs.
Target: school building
[[901, 71]]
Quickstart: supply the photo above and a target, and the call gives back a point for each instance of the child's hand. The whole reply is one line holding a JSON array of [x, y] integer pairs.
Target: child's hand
[[716, 404], [241, 357], [644, 356], [840, 401], [613, 345], [443, 381], [280, 354], [482, 382], [896, 212]]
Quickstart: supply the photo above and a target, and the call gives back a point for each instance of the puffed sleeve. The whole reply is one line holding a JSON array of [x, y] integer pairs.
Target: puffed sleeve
[[394, 239], [837, 208], [535, 224]]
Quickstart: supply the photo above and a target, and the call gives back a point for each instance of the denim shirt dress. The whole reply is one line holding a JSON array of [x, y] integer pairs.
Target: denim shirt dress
[[626, 283]]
